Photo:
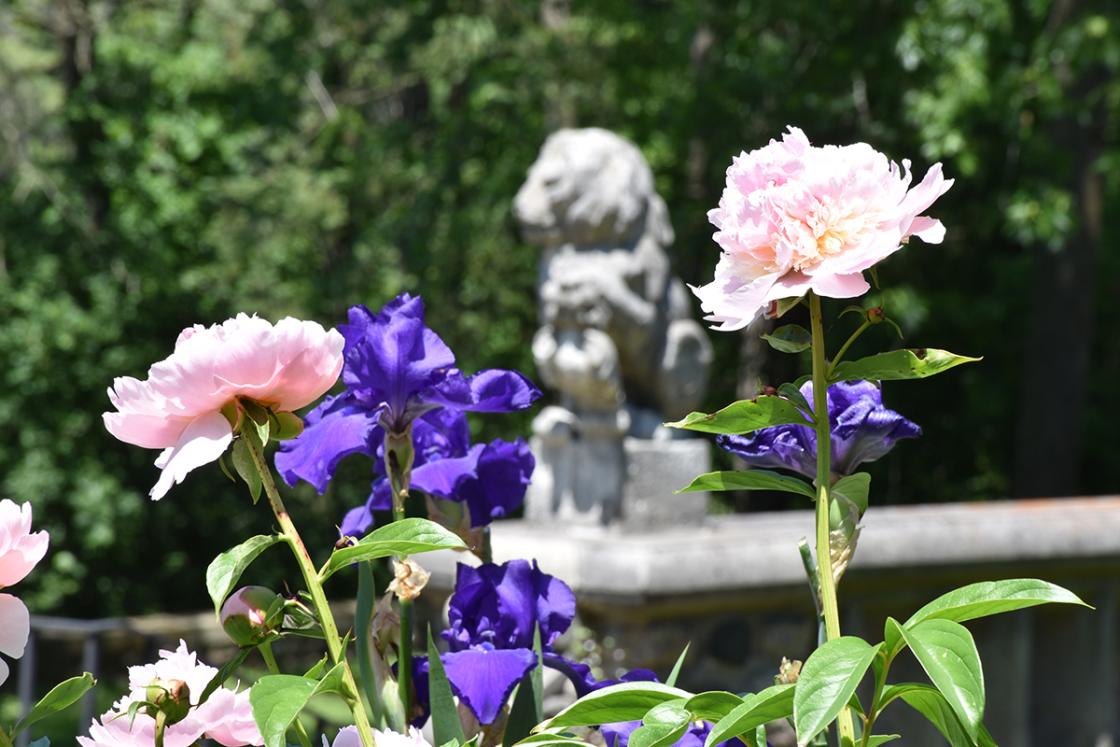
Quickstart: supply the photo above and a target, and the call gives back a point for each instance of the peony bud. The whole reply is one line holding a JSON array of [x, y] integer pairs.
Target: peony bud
[[172, 697], [245, 615]]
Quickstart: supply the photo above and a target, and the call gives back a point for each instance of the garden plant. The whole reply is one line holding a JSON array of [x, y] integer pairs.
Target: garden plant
[[795, 223]]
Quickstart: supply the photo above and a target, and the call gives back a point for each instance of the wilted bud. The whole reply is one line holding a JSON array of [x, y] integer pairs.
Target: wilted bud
[[409, 579], [788, 672], [385, 627], [245, 615], [172, 697]]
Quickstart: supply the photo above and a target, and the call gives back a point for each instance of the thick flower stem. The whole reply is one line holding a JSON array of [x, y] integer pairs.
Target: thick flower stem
[[314, 587], [824, 482], [398, 463]]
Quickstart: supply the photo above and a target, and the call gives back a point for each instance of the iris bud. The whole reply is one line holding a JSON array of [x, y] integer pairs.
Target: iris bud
[[245, 615]]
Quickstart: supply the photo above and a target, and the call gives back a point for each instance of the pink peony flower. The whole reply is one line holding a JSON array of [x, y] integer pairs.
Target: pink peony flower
[[348, 737], [226, 717], [794, 218], [178, 408], [20, 550]]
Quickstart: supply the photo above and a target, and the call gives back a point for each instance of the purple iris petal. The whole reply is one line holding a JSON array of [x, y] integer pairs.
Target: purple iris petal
[[862, 430], [492, 390], [501, 479], [441, 477], [484, 676], [333, 430], [504, 605]]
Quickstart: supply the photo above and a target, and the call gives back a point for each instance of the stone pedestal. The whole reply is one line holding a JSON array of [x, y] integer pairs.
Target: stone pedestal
[[595, 482]]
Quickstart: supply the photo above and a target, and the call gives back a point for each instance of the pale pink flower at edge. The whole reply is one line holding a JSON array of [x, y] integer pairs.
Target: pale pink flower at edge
[[178, 408], [348, 737], [20, 550], [794, 218], [226, 717]]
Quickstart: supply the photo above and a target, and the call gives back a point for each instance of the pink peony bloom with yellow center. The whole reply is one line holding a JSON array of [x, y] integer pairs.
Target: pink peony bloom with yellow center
[[178, 408], [20, 550], [794, 218], [226, 717]]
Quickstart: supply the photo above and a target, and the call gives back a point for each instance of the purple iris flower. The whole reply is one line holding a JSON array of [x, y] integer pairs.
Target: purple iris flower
[[494, 613], [396, 371], [489, 478], [862, 431]]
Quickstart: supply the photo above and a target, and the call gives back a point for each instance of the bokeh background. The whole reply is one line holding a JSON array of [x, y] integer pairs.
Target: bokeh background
[[167, 162]]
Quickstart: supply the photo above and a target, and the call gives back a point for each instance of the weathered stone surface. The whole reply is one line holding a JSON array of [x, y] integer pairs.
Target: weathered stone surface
[[601, 479]]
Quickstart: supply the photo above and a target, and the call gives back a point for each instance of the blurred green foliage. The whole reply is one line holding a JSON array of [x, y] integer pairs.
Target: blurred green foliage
[[166, 163]]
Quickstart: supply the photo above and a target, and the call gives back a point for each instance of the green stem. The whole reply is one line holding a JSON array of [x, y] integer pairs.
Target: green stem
[[399, 483], [824, 474], [848, 343], [315, 588], [367, 592], [274, 668], [161, 727]]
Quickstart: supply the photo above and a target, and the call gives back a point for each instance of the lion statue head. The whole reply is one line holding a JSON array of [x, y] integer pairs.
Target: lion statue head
[[590, 187]]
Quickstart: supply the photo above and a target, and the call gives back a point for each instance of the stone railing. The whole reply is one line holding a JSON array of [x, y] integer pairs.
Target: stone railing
[[735, 589]]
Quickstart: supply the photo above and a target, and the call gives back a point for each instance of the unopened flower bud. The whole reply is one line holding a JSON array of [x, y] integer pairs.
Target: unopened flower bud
[[409, 579], [172, 697], [875, 314], [245, 615]]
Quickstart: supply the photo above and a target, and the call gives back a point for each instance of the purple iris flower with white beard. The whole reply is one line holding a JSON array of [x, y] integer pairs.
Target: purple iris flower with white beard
[[494, 613], [862, 431], [398, 373], [490, 479]]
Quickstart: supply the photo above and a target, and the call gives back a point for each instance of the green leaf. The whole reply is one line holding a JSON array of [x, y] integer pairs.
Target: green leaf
[[246, 468], [854, 488], [783, 305], [712, 705], [528, 702], [744, 416], [771, 704], [662, 726], [61, 696], [751, 479], [930, 703], [915, 363], [627, 701], [792, 338], [947, 653], [828, 678], [224, 673], [225, 570], [991, 598], [793, 394], [288, 426], [892, 637], [277, 699], [564, 739], [877, 739], [404, 537], [672, 679], [445, 716]]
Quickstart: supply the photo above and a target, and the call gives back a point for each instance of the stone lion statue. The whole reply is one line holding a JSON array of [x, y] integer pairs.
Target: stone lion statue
[[617, 339]]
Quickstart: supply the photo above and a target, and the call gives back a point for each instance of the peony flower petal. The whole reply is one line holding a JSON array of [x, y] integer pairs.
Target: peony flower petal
[[20, 548], [841, 286], [203, 441], [15, 626]]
